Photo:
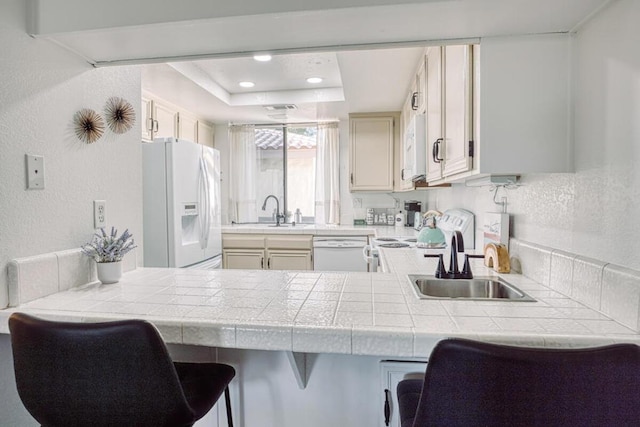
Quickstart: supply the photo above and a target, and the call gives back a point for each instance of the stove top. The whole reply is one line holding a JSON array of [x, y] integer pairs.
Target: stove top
[[394, 242], [393, 245]]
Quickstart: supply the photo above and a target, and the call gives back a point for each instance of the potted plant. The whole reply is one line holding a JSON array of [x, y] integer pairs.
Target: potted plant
[[107, 250]]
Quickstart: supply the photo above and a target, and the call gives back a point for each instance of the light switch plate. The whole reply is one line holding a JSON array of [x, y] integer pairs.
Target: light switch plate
[[35, 172], [99, 213]]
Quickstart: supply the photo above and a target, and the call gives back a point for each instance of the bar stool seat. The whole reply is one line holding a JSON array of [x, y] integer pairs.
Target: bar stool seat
[[109, 374]]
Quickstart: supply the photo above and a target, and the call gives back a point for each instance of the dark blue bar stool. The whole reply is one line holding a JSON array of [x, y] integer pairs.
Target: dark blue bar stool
[[109, 374], [469, 383]]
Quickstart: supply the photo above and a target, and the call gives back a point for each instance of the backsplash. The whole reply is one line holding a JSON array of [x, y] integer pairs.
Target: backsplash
[[37, 276], [611, 289]]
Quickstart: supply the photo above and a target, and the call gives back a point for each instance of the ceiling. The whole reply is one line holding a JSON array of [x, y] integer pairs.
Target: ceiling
[[354, 81], [198, 53]]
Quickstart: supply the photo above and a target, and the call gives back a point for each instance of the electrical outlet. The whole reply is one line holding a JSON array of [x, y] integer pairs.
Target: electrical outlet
[[35, 172], [99, 213]]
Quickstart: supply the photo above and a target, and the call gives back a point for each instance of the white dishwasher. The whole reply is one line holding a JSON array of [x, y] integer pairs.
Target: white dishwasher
[[339, 253]]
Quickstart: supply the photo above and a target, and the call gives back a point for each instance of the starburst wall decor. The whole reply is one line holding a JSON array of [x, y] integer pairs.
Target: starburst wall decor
[[120, 114], [89, 125]]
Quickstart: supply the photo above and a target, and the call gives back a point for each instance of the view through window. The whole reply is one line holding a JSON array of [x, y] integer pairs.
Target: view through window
[[286, 161]]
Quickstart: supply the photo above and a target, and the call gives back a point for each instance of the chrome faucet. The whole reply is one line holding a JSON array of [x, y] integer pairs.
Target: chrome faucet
[[457, 246], [278, 216]]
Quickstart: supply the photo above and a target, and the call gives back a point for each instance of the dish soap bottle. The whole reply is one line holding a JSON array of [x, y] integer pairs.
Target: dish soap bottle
[[399, 219], [297, 217]]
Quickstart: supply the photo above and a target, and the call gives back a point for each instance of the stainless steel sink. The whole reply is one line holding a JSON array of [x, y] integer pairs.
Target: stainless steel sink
[[478, 288]]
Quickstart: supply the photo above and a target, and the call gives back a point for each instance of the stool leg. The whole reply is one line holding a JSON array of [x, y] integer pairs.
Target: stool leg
[[227, 401]]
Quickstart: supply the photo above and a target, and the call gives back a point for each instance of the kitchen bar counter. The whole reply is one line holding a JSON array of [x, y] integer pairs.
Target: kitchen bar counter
[[327, 312]]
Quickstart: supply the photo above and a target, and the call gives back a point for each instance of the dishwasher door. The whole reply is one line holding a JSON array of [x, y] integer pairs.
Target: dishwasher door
[[333, 253]]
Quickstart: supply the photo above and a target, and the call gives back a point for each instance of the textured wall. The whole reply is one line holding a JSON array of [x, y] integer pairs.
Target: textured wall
[[41, 87]]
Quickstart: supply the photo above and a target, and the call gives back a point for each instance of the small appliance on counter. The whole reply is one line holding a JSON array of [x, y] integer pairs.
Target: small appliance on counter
[[411, 207], [430, 236]]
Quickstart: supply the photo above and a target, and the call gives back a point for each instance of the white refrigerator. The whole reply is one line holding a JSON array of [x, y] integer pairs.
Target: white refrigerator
[[181, 204]]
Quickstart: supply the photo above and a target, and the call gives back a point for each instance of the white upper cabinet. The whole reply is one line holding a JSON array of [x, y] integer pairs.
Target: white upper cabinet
[[420, 103], [404, 151], [161, 119], [458, 144], [371, 146], [434, 113], [187, 127], [501, 107], [205, 133], [449, 111], [165, 120]]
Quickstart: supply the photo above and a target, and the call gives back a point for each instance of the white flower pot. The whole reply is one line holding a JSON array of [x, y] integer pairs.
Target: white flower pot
[[109, 272]]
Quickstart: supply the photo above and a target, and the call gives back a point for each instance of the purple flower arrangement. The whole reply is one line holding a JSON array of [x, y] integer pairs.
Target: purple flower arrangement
[[109, 247]]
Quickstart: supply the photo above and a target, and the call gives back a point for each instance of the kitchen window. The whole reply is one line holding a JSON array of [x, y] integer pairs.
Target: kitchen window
[[286, 168]]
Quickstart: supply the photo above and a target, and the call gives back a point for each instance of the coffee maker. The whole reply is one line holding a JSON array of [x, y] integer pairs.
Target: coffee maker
[[411, 207]]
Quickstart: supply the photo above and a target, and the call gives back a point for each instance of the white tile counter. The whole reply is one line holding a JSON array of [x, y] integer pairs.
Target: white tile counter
[[313, 229], [324, 312]]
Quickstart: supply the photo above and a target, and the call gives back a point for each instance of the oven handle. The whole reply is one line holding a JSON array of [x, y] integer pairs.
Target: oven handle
[[366, 249]]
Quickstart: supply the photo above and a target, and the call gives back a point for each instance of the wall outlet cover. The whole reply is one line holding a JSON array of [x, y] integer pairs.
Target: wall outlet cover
[[35, 172]]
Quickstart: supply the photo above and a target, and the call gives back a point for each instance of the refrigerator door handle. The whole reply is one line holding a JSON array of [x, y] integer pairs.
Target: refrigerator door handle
[[207, 182], [202, 188]]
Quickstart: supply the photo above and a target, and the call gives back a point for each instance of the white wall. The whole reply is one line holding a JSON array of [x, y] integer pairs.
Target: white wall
[[41, 88]]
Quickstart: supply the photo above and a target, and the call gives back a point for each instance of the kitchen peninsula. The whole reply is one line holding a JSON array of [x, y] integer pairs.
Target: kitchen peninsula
[[294, 335], [328, 312]]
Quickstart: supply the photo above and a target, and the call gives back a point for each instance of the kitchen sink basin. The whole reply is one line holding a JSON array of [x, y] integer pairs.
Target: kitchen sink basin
[[478, 288]]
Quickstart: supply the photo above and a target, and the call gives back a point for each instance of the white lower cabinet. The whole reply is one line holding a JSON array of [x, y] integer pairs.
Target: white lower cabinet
[[267, 252], [243, 259], [289, 260], [391, 373]]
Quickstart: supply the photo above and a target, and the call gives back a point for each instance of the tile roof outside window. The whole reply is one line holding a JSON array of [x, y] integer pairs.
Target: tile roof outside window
[[271, 139]]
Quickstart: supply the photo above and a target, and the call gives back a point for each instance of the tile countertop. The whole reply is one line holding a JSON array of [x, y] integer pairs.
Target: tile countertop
[[327, 312], [321, 230]]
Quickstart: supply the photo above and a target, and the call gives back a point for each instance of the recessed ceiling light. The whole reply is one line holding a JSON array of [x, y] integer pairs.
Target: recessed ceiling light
[[247, 84], [262, 58], [314, 80]]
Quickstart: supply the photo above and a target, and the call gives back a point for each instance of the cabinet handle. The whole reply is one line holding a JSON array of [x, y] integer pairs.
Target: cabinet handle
[[150, 124], [156, 126], [402, 175], [435, 152], [269, 263], [387, 408], [262, 262], [414, 101], [352, 178]]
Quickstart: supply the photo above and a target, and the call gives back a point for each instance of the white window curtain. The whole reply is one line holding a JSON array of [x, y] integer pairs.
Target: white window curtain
[[243, 165], [328, 174]]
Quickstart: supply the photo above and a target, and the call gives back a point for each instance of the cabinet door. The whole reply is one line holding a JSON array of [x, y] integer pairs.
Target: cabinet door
[[146, 114], [289, 260], [457, 109], [391, 374], [407, 148], [187, 127], [205, 134], [421, 87], [434, 114], [371, 151], [243, 259], [165, 118]]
